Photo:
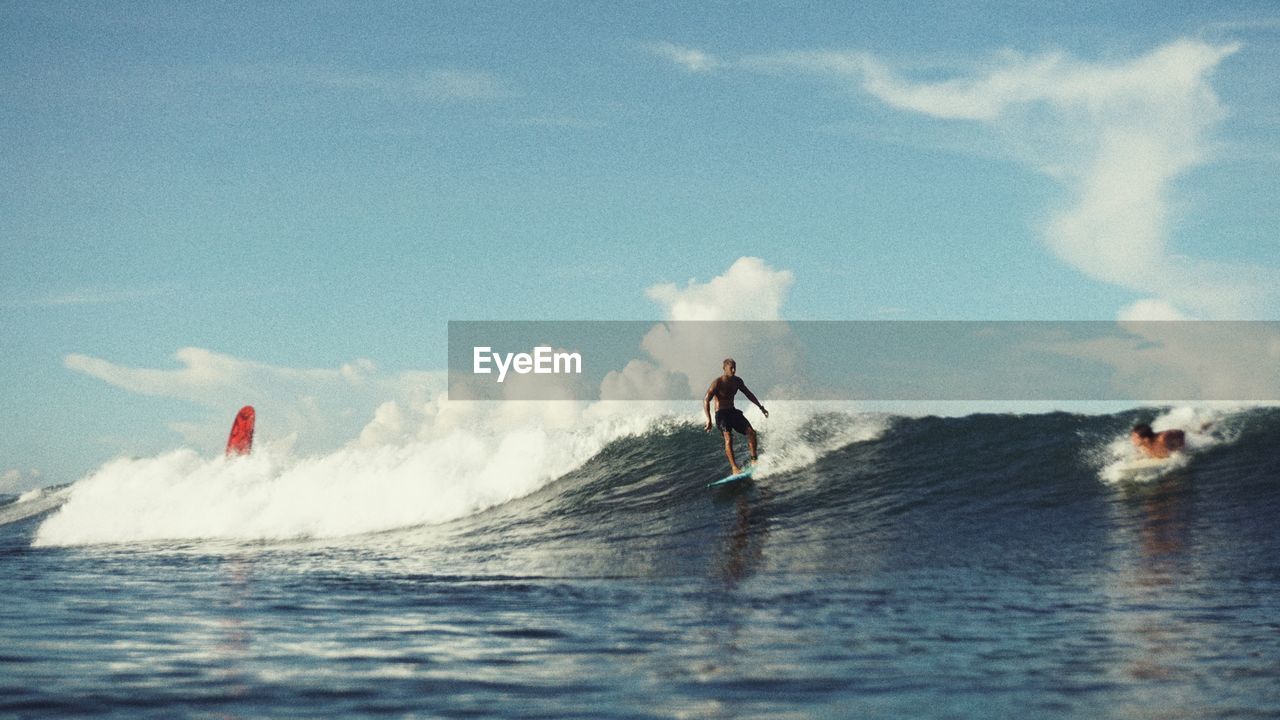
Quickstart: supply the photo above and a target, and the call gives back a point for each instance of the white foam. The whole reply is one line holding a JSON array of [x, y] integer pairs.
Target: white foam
[[273, 494], [1120, 461], [30, 495], [33, 502], [798, 434]]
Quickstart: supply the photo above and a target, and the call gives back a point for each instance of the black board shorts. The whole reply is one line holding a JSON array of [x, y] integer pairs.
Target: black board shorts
[[732, 419]]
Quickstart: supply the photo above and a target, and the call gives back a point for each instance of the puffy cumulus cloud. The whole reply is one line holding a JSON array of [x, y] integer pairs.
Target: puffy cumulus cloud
[[397, 422], [642, 380], [684, 355], [1115, 134], [387, 425], [748, 290], [431, 411], [317, 407], [765, 353]]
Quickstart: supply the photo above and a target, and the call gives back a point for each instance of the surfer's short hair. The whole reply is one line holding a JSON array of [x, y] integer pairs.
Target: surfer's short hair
[[1143, 430], [729, 361]]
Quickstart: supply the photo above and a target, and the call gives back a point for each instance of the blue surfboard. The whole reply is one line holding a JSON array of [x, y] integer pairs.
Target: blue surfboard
[[746, 473]]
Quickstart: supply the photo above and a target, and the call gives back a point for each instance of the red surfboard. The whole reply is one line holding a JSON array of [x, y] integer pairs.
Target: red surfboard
[[241, 440]]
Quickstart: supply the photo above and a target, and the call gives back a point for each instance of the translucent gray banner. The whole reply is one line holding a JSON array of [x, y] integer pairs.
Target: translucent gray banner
[[868, 360]]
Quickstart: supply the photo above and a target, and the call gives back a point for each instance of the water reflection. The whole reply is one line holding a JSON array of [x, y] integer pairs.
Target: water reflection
[[234, 643], [742, 552], [1163, 529], [719, 630], [1149, 588]]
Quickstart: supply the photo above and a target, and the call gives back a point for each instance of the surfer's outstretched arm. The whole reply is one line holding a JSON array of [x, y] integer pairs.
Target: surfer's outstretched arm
[[751, 396]]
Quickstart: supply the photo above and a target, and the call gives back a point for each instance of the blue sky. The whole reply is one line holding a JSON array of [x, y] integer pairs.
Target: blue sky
[[306, 185]]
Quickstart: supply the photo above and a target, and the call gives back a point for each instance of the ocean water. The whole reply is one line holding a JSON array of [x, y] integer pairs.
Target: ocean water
[[980, 566]]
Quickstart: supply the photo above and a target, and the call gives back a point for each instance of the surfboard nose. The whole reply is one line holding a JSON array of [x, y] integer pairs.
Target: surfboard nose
[[240, 442]]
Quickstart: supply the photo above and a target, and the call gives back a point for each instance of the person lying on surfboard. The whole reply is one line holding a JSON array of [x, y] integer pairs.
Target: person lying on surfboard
[[729, 418], [1157, 445]]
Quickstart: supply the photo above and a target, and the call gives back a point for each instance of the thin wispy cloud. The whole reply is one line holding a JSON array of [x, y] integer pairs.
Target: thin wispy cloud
[[690, 59], [458, 85], [437, 84], [322, 406], [1271, 24], [87, 296], [1116, 136]]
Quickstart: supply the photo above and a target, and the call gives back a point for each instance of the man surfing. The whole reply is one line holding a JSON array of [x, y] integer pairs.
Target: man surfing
[[729, 418], [1157, 445]]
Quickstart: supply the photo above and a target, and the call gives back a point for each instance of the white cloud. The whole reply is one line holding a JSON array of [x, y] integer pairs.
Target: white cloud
[[1192, 361], [1150, 309], [748, 290], [357, 403], [360, 406], [457, 84], [387, 425], [689, 58], [642, 380], [1266, 25], [1115, 134], [322, 407], [206, 377]]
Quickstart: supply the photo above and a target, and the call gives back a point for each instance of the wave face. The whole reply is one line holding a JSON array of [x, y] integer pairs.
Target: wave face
[[1021, 492], [970, 485]]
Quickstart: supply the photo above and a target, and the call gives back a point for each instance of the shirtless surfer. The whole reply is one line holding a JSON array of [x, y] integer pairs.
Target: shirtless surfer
[[1157, 445], [729, 418]]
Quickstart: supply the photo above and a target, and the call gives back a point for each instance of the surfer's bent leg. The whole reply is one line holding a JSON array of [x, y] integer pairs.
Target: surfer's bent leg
[[728, 452], [751, 442]]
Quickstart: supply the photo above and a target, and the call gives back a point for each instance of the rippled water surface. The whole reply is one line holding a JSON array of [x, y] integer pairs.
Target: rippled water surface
[[943, 567]]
